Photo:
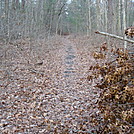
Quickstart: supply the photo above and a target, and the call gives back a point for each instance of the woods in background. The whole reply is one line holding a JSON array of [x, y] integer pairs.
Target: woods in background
[[32, 18]]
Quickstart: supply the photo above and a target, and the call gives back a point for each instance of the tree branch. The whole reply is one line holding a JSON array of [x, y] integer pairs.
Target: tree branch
[[114, 36], [61, 9]]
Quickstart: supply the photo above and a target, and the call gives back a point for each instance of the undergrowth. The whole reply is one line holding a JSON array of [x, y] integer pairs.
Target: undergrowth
[[115, 78]]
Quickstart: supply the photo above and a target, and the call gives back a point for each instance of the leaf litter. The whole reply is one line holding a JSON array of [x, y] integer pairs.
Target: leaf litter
[[42, 93]]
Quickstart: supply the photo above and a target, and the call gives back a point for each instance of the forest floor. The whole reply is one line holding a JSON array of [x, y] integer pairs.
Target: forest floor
[[44, 88]]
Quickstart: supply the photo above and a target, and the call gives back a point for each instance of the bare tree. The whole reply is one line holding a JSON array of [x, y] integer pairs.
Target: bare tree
[[89, 26], [98, 4]]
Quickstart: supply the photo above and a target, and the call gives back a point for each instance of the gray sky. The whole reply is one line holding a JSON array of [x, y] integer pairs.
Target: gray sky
[[69, 1]]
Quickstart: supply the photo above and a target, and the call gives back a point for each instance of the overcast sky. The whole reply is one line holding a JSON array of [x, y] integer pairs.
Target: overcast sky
[[69, 1]]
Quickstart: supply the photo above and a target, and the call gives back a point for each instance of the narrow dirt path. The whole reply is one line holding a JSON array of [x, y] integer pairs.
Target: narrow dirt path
[[69, 62], [77, 101]]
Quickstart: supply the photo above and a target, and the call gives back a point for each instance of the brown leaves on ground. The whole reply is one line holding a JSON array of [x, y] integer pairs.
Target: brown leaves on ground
[[117, 97], [97, 55], [36, 97]]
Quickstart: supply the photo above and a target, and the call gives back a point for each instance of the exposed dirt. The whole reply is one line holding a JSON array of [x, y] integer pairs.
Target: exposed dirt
[[46, 91]]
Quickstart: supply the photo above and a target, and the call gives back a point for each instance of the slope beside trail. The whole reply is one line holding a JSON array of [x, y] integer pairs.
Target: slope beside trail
[[60, 101]]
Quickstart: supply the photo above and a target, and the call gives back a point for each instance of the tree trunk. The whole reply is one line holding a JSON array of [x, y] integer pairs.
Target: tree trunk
[[124, 21], [89, 28], [110, 16], [7, 17], [105, 16], [119, 17], [98, 14]]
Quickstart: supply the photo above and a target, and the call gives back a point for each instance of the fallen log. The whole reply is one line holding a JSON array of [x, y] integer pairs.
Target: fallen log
[[115, 36]]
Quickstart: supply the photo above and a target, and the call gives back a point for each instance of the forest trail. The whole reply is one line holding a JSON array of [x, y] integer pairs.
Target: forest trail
[[70, 60], [61, 100], [76, 100]]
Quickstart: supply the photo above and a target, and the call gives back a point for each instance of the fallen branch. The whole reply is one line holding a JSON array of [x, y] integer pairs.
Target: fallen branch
[[115, 36]]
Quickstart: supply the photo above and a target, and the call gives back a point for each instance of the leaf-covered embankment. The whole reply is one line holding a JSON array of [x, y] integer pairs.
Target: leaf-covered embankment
[[115, 78]]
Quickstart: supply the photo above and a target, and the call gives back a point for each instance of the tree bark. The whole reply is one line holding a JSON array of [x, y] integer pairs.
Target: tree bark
[[98, 14], [119, 17], [110, 16], [89, 18], [124, 20]]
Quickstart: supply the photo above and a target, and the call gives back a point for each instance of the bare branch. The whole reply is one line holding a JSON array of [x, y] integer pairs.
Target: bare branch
[[114, 36]]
